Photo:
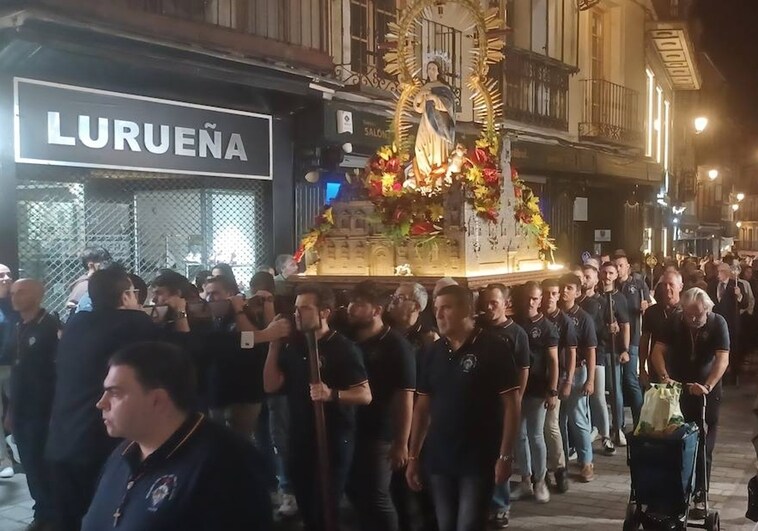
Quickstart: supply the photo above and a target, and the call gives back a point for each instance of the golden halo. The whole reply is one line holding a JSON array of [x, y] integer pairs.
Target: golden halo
[[402, 62]]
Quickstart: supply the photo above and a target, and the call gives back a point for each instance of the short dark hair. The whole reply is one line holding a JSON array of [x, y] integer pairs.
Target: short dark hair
[[532, 284], [228, 272], [570, 279], [161, 365], [140, 286], [93, 254], [172, 281], [106, 286], [550, 283], [370, 292], [262, 280], [324, 295], [460, 294], [609, 264], [495, 286], [227, 283], [201, 277]]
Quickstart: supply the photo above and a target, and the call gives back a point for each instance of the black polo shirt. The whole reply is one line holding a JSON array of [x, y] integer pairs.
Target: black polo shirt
[[30, 347], [585, 331], [621, 314], [515, 335], [341, 368], [542, 335], [691, 353], [465, 388], [77, 433], [655, 319], [635, 290], [391, 366], [203, 478], [417, 335], [566, 337]]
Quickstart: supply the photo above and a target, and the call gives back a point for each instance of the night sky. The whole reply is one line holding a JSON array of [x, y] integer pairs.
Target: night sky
[[730, 37]]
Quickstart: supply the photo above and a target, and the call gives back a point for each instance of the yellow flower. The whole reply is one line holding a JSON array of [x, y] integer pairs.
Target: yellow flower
[[385, 152], [387, 181], [329, 215]]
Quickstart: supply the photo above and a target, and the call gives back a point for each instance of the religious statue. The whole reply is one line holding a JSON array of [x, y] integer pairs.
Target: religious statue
[[436, 131]]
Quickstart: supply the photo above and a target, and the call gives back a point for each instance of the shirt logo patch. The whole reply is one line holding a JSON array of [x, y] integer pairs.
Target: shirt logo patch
[[704, 335], [632, 290], [162, 489], [536, 333], [32, 341], [576, 321], [469, 362]]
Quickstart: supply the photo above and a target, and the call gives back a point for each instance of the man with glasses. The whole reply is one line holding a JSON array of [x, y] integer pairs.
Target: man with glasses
[[78, 443], [694, 350]]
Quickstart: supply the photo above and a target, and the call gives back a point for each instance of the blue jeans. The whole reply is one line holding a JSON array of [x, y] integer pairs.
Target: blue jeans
[[462, 503], [575, 416], [279, 422], [531, 451], [501, 498], [598, 405], [628, 386]]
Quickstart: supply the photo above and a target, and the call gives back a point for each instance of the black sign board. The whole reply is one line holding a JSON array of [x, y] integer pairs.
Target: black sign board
[[65, 125]]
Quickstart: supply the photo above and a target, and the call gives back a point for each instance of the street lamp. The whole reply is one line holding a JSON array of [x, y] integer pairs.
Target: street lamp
[[713, 173], [739, 224], [735, 207], [701, 122], [740, 196]]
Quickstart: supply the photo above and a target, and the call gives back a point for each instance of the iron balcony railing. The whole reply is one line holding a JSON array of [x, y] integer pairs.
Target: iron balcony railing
[[536, 88], [611, 114], [297, 22]]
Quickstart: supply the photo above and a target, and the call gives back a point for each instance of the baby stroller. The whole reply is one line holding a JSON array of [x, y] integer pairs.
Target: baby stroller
[[663, 471]]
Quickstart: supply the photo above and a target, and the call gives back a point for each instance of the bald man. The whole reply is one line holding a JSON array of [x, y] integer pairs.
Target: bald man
[[30, 349]]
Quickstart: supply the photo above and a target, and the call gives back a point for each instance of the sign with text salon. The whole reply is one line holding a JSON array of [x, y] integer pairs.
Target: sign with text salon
[[73, 126]]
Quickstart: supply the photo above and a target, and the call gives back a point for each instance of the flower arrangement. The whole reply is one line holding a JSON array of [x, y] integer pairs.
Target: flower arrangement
[[527, 212], [324, 223]]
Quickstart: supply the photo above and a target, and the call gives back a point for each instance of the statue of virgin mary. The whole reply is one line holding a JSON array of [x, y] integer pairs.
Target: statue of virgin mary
[[436, 131]]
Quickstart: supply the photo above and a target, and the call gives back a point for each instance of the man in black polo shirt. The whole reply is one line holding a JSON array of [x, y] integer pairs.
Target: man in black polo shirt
[[176, 470], [694, 350], [468, 403], [494, 302], [78, 444], [383, 426], [344, 386], [30, 348], [637, 299], [654, 321], [540, 396], [614, 324], [575, 410], [567, 344]]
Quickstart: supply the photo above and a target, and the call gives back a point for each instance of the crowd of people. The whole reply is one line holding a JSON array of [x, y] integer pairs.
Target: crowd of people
[[190, 405]]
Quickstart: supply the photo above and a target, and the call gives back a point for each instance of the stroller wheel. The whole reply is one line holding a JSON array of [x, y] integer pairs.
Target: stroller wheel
[[713, 522], [632, 520]]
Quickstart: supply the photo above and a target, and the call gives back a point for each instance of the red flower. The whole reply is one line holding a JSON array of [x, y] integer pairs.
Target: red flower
[[517, 192], [393, 165], [422, 227], [375, 189], [491, 214], [479, 156], [299, 254], [398, 214], [397, 186], [514, 174], [491, 175]]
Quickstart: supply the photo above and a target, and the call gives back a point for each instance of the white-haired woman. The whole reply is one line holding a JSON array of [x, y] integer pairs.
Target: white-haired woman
[[694, 350]]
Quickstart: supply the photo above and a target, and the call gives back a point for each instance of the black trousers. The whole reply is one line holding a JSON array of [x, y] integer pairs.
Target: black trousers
[[368, 487], [304, 478], [415, 510], [30, 435], [462, 502], [73, 487], [692, 409]]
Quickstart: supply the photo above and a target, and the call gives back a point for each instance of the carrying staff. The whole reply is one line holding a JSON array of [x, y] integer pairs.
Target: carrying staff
[[694, 350]]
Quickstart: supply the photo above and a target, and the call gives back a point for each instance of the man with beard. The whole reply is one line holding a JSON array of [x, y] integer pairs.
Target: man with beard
[[494, 302], [344, 386], [574, 414], [654, 321], [383, 427], [468, 403], [694, 350]]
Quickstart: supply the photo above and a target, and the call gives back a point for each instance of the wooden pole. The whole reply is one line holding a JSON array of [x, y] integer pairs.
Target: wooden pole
[[322, 447]]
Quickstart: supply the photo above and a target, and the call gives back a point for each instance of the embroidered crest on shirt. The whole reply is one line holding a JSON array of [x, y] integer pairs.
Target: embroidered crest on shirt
[[469, 362], [536, 333], [162, 489], [576, 320], [632, 290], [32, 341]]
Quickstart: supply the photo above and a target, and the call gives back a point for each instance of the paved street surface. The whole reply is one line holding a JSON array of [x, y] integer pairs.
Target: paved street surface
[[595, 506]]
